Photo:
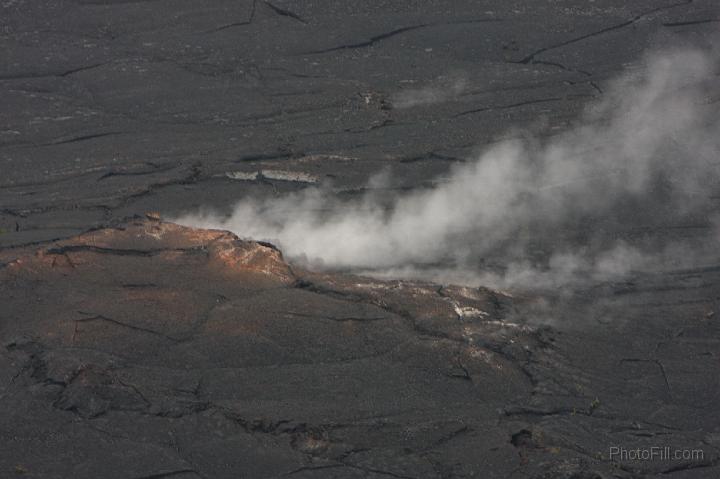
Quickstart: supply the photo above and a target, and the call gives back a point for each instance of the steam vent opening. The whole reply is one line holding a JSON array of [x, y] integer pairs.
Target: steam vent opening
[[253, 239]]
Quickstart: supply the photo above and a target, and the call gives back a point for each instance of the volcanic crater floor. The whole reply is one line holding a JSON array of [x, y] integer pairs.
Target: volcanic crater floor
[[151, 350], [138, 349]]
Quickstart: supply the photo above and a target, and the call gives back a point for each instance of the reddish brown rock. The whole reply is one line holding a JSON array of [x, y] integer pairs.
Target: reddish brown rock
[[151, 350]]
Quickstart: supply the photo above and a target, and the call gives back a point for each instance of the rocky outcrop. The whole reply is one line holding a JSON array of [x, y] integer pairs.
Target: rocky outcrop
[[155, 350], [144, 349]]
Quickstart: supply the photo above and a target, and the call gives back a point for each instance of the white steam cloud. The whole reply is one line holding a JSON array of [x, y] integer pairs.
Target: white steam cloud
[[597, 201]]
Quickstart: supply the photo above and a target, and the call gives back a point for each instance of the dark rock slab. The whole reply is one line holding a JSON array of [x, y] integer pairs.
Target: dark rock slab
[[114, 108], [143, 349], [152, 350]]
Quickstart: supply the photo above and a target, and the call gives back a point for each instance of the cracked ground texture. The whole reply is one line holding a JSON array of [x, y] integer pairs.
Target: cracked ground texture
[[154, 350], [134, 348]]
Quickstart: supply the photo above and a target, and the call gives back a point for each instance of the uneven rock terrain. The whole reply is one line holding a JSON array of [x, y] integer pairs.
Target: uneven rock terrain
[[155, 350], [135, 348], [113, 108]]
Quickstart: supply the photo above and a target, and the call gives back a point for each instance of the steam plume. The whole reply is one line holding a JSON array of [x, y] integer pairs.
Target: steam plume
[[597, 201]]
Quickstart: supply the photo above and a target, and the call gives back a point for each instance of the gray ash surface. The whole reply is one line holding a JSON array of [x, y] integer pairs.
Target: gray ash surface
[[136, 348]]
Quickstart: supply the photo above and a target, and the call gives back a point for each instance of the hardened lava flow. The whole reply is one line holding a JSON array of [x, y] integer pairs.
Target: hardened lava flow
[[198, 354]]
